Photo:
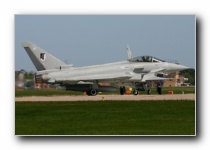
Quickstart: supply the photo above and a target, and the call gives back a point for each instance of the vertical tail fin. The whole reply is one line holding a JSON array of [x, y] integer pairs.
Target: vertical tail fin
[[40, 58]]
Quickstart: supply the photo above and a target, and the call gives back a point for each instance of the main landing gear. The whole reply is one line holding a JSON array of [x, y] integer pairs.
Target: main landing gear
[[122, 90], [92, 92]]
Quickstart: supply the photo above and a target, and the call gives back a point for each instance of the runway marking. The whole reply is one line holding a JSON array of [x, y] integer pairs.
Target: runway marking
[[107, 97]]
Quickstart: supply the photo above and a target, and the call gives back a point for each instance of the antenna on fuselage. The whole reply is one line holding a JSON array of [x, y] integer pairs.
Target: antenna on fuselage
[[129, 52]]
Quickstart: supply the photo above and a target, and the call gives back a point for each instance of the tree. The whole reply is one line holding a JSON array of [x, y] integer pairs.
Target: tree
[[190, 74]]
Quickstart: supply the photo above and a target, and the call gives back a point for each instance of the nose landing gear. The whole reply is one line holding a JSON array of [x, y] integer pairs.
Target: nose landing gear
[[135, 92]]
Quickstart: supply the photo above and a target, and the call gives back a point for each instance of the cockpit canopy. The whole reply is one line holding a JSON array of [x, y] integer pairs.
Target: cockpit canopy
[[145, 59]]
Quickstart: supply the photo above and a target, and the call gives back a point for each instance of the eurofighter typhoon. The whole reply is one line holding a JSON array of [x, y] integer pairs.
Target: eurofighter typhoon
[[134, 72]]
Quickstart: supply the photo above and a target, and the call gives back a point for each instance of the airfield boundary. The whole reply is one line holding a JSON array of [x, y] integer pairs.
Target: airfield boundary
[[107, 97]]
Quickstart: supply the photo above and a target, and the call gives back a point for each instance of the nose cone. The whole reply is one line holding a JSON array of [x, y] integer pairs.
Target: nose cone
[[176, 67]]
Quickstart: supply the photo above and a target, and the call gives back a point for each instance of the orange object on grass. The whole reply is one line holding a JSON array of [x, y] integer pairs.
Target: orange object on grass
[[170, 92]]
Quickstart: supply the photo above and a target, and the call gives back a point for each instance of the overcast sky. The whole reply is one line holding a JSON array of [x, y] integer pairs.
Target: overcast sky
[[84, 40]]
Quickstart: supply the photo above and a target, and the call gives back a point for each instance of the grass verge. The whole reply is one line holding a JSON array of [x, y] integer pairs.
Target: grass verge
[[105, 118]]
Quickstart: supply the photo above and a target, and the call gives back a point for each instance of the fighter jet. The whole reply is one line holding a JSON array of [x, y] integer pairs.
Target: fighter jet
[[133, 72]]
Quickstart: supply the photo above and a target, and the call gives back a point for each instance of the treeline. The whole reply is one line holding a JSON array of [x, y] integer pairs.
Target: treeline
[[28, 75]]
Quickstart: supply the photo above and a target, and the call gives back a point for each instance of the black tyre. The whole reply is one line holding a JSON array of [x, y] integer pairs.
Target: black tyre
[[135, 92], [88, 93], [93, 92], [122, 90]]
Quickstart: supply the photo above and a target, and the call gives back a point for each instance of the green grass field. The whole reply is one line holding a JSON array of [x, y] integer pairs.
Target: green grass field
[[52, 92], [105, 118]]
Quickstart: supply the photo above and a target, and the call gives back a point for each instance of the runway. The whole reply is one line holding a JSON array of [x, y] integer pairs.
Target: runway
[[107, 97]]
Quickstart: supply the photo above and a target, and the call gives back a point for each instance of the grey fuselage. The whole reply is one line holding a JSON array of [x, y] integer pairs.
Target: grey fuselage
[[120, 73]]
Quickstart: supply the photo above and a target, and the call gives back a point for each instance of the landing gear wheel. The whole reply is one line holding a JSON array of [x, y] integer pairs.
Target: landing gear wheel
[[135, 92], [92, 92]]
